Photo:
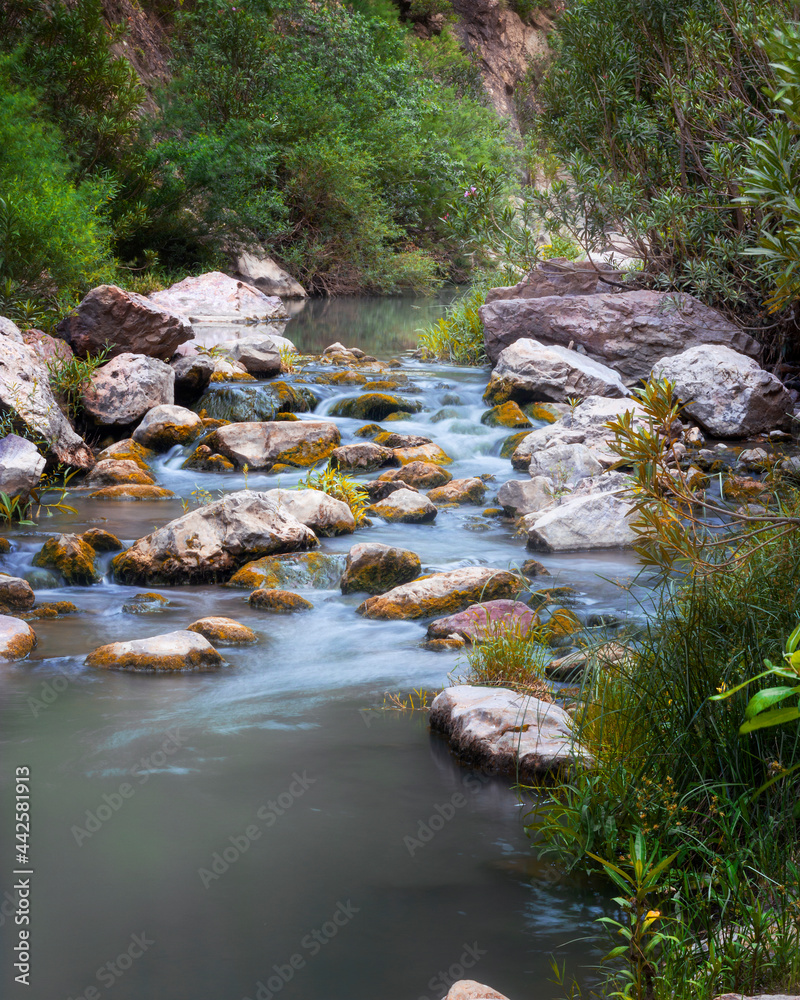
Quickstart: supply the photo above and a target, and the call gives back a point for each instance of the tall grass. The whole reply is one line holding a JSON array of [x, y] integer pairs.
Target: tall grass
[[458, 336], [671, 765]]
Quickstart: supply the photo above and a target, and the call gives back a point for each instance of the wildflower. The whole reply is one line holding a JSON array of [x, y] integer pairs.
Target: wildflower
[[470, 191]]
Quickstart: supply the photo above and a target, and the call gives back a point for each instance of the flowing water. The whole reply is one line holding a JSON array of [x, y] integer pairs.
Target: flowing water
[[268, 830]]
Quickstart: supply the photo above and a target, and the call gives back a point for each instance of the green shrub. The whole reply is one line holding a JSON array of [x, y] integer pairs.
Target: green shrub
[[52, 230], [458, 336]]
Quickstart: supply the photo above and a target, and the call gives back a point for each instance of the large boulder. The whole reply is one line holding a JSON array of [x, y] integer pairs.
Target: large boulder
[[374, 568], [125, 322], [728, 394], [113, 472], [26, 395], [262, 444], [528, 372], [442, 593], [587, 424], [21, 465], [628, 332], [503, 731], [597, 520], [174, 651], [405, 506], [17, 639], [47, 348], [261, 271], [558, 277], [210, 543], [214, 295], [123, 390], [324, 514], [165, 426], [292, 570], [480, 621]]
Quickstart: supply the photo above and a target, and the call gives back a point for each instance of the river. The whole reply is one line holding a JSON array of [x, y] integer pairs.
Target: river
[[269, 829]]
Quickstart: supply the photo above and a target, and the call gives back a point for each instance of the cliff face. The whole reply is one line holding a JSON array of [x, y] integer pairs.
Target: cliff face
[[506, 46]]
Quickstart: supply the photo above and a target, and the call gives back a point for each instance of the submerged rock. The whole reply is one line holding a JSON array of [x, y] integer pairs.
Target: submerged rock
[[223, 631], [165, 426], [72, 557], [17, 639], [479, 621], [278, 601], [374, 568], [127, 322], [443, 593], [174, 651], [505, 732], [248, 403], [146, 604], [422, 475], [406, 506], [210, 543], [264, 444], [320, 570]]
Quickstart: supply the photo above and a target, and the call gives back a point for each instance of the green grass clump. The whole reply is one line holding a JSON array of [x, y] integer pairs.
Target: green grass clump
[[340, 487], [458, 336]]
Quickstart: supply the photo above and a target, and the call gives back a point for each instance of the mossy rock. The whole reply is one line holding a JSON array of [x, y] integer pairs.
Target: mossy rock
[[203, 459], [148, 603], [231, 377], [382, 385], [505, 415], [451, 399], [5, 546], [223, 631], [347, 377], [533, 568], [129, 450], [430, 453], [399, 415], [305, 454], [278, 601], [499, 390], [561, 625], [286, 416], [374, 406], [493, 512], [743, 488], [70, 556], [293, 569], [237, 404], [102, 540], [54, 609], [552, 595], [511, 444], [369, 431], [542, 411], [132, 492], [17, 638]]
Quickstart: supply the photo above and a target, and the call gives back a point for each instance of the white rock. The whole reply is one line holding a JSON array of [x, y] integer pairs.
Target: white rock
[[503, 731], [257, 355], [443, 593], [17, 639], [21, 465], [10, 329], [214, 295], [594, 521], [528, 371], [524, 496], [261, 444], [324, 514], [565, 464], [256, 268], [15, 593], [728, 394]]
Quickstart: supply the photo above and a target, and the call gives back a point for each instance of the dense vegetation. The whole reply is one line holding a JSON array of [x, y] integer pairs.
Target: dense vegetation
[[328, 133]]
